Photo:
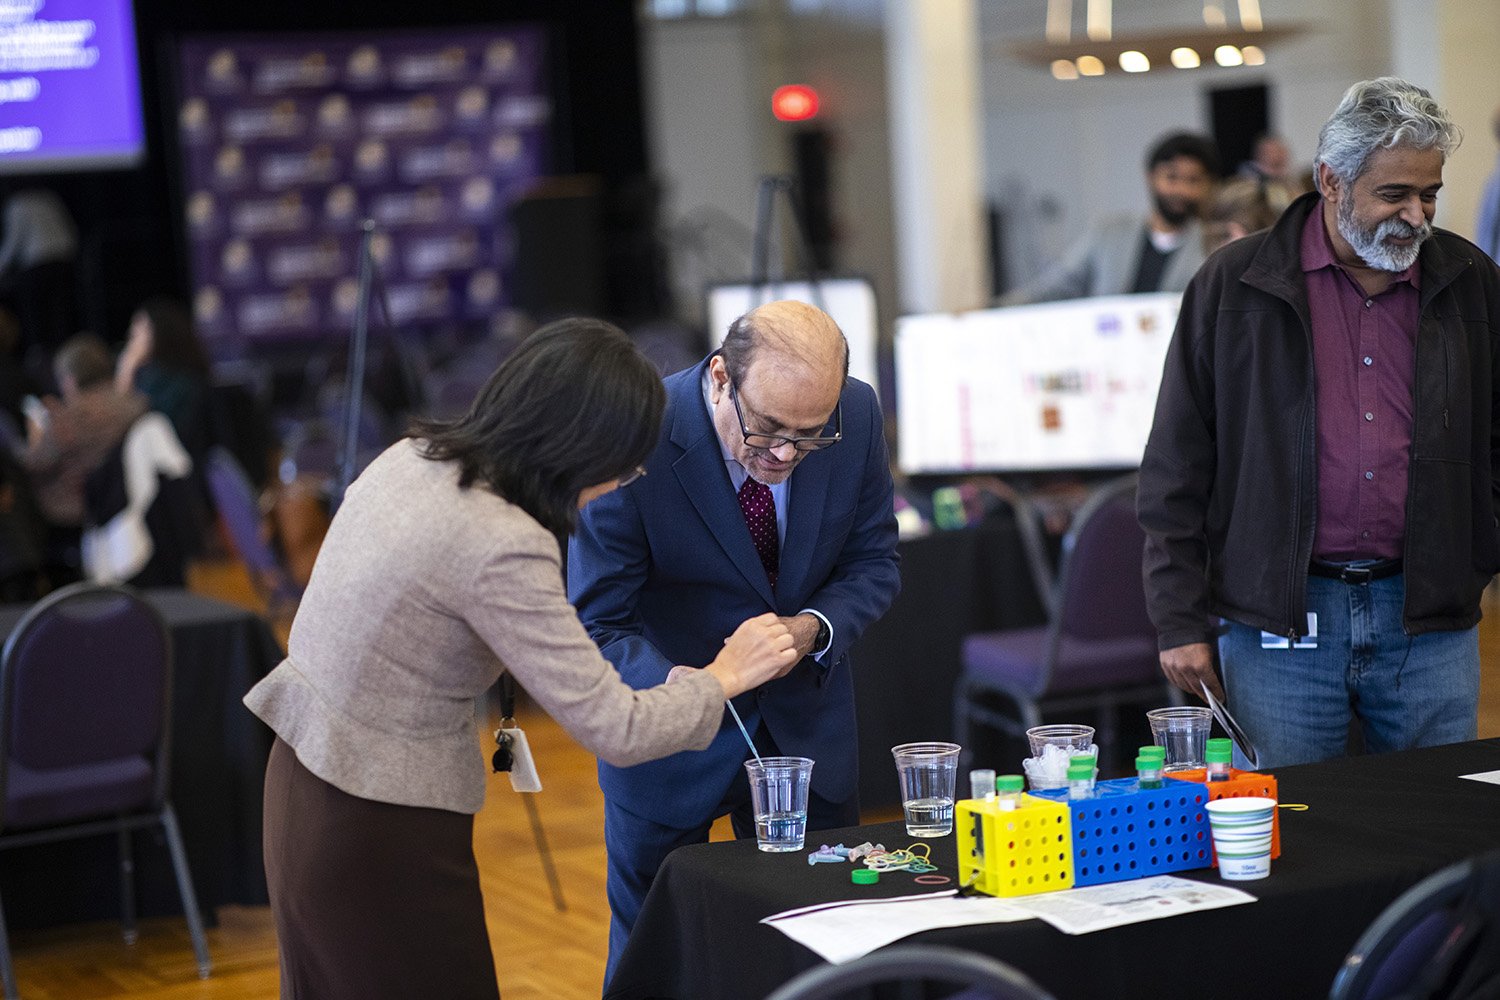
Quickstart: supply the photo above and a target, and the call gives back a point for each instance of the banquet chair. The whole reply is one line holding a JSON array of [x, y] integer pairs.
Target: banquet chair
[[85, 720], [236, 500], [1097, 650], [985, 978], [1439, 939]]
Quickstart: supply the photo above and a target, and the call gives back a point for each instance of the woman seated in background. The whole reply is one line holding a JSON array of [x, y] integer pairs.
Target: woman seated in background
[[164, 361], [441, 569]]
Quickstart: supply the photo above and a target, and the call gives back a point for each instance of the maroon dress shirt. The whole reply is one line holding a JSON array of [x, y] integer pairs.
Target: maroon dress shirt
[[1364, 365]]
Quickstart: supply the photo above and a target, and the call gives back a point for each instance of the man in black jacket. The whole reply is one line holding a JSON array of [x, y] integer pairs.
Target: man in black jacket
[[1322, 468]]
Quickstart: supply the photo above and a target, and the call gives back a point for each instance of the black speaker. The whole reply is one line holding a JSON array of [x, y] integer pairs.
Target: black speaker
[[559, 263], [810, 157]]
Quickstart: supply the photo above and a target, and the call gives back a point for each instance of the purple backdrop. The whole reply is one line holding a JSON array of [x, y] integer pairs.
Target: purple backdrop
[[69, 86], [290, 143]]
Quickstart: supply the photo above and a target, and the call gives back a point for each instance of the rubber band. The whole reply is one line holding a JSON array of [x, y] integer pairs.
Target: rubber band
[[932, 880], [1293, 806]]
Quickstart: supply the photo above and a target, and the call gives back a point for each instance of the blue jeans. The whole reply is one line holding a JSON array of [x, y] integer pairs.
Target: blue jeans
[[1406, 691]]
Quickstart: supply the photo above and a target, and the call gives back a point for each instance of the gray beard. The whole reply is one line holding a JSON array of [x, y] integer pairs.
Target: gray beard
[[1370, 244]]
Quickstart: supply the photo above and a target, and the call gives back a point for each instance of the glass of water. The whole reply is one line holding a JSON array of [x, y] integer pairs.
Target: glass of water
[[928, 773], [778, 795]]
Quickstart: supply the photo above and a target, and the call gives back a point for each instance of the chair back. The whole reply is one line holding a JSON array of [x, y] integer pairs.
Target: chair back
[[85, 680], [987, 978], [1101, 594], [1439, 939]]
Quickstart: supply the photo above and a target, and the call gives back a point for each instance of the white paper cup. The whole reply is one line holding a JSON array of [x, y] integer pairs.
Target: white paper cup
[[1242, 836]]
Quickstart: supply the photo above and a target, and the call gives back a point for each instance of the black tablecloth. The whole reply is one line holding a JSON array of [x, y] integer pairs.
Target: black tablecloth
[[1376, 825], [218, 752], [906, 664]]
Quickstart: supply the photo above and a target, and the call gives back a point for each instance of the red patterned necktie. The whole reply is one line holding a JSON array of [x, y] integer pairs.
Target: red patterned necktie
[[759, 508]]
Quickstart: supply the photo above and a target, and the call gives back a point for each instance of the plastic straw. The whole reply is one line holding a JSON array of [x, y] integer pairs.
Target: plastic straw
[[744, 732]]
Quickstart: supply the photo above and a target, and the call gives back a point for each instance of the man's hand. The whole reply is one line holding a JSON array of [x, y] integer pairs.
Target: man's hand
[[1186, 665], [804, 629]]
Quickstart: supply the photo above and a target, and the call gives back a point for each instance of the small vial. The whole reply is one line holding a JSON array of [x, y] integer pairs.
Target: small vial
[[1008, 791], [1081, 779], [1148, 771], [982, 783], [1218, 754]]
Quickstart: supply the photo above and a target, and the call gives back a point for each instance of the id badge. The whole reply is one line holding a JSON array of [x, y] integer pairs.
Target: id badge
[[1270, 640], [523, 776]]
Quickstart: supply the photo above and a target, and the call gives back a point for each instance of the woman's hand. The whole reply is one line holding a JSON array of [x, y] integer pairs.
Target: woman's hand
[[760, 650]]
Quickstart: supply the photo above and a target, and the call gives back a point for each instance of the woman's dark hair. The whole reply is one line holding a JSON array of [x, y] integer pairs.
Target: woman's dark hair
[[576, 405], [174, 342]]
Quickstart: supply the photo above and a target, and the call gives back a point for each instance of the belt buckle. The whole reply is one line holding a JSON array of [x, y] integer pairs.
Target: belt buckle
[[1356, 575]]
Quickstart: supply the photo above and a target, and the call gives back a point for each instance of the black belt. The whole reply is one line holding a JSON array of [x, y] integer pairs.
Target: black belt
[[1355, 574]]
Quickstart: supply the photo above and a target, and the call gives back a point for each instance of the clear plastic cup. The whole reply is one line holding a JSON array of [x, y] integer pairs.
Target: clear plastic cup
[[1072, 739], [928, 773], [778, 795], [1183, 733]]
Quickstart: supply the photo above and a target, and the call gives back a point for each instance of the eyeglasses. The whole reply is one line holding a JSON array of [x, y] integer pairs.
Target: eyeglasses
[[769, 441], [631, 476]]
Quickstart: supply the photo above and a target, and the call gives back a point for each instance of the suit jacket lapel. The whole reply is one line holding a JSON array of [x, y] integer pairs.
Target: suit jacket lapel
[[704, 479]]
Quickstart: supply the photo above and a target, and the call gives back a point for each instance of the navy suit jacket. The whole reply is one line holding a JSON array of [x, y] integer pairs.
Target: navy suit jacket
[[663, 570]]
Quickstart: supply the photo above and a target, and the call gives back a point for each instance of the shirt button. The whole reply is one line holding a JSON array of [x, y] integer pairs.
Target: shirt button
[[1369, 475], [1369, 303], [1369, 360], [1369, 416], [1364, 534]]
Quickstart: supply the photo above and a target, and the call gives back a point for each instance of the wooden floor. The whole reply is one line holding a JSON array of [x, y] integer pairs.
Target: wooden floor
[[541, 954]]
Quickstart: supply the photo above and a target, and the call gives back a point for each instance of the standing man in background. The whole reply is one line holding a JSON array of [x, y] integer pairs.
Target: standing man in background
[[1322, 467], [770, 490], [1126, 253]]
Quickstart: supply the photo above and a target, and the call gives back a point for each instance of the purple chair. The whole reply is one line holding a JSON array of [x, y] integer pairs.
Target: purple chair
[[1097, 651], [85, 720], [236, 501], [1440, 940], [986, 978]]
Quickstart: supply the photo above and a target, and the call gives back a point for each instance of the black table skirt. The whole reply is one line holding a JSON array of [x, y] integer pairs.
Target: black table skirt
[[906, 664], [1376, 826], [218, 755]]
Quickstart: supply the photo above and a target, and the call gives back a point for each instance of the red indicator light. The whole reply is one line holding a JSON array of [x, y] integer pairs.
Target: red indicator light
[[794, 103]]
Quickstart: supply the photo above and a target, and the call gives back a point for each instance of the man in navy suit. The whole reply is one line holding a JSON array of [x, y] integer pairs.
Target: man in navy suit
[[770, 490]]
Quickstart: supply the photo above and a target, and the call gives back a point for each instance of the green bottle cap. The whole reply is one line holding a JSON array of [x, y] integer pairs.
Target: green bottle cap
[[1220, 742], [1010, 783], [1219, 755], [1081, 758], [1144, 763], [864, 876], [1081, 771], [1160, 753]]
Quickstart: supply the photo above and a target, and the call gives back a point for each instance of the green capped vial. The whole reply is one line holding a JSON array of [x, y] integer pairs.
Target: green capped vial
[[1148, 771], [1008, 789], [1218, 753]]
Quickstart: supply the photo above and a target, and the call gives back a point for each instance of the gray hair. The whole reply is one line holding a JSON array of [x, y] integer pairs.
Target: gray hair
[[1382, 114]]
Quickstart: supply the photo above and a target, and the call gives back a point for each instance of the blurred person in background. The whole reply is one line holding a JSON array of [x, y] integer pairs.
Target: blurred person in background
[[164, 360], [1128, 253]]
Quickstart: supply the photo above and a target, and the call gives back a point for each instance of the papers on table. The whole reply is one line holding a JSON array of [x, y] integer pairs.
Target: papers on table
[[844, 930], [848, 929], [1490, 777]]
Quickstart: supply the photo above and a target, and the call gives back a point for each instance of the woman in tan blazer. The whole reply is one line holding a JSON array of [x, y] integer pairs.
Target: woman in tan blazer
[[440, 570]]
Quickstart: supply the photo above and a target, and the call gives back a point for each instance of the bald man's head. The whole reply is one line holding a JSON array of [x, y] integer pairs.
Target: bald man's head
[[782, 369]]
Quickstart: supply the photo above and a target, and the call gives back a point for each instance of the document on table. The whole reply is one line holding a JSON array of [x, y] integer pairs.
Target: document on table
[[1114, 904], [1491, 777], [845, 930]]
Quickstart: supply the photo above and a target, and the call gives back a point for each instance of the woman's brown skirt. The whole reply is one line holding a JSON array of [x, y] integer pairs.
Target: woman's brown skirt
[[371, 900]]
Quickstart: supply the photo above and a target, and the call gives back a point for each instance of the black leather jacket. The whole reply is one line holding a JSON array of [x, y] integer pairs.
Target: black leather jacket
[[1229, 480]]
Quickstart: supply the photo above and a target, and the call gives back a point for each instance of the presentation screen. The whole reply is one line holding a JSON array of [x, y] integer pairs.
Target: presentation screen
[[1066, 385], [850, 301], [70, 96], [291, 142]]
